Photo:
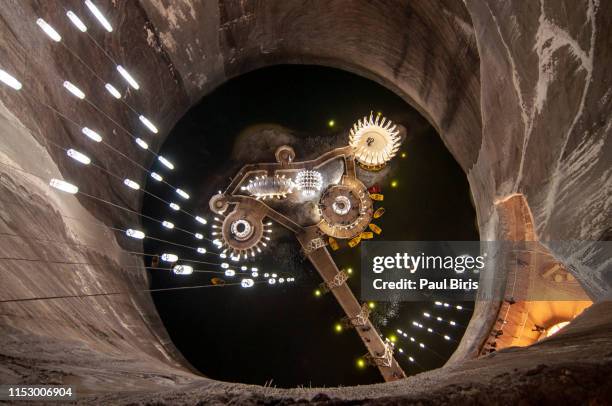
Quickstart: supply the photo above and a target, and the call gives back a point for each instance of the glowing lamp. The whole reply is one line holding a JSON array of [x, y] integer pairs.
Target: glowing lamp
[[175, 206], [201, 220], [165, 162], [137, 234], [199, 236], [131, 184], [247, 283], [63, 186], [128, 78], [168, 224], [141, 143], [182, 194], [169, 257], [201, 250], [182, 270], [99, 16], [76, 21], [114, 92], [91, 134], [148, 124], [156, 176], [79, 157], [50, 31], [9, 80], [74, 90]]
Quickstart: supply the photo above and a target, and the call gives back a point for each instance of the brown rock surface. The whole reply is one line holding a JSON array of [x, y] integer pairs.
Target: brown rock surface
[[520, 92]]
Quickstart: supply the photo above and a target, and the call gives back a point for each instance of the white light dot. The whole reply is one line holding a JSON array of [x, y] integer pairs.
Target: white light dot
[[201, 250], [74, 90], [137, 234], [128, 78], [199, 236], [92, 134], [50, 31], [156, 176], [113, 91], [169, 257], [76, 21], [182, 193], [201, 220], [9, 80], [148, 124], [99, 16], [131, 184], [63, 186], [175, 206], [141, 143], [165, 162], [167, 224], [78, 156]]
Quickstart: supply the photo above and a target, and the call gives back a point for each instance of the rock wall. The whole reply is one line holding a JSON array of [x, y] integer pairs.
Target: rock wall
[[519, 92]]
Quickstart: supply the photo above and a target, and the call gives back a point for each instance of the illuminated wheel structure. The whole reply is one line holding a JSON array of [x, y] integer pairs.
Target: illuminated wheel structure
[[375, 141], [346, 209], [241, 234]]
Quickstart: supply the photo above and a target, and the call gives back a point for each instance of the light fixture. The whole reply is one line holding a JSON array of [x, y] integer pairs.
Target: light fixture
[[76, 21], [165, 162], [99, 16], [79, 157], [148, 124], [281, 280], [199, 236], [230, 272], [131, 184], [141, 143], [201, 220], [182, 270], [50, 31], [9, 80], [137, 234], [63, 186], [156, 176], [201, 250], [426, 314], [271, 281], [128, 78], [92, 134], [446, 337], [255, 274], [174, 206], [169, 257], [167, 224], [225, 265], [309, 182], [247, 283], [114, 92], [375, 141], [182, 194], [74, 90]]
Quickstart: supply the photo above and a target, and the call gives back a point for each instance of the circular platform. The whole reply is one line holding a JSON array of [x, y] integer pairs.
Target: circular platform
[[346, 209]]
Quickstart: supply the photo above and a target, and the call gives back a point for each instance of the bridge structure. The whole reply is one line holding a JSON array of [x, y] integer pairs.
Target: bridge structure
[[344, 211]]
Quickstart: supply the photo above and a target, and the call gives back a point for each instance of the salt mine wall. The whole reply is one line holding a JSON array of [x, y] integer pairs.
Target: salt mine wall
[[520, 93]]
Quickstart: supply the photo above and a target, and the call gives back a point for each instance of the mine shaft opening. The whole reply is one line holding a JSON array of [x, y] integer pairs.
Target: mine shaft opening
[[292, 335]]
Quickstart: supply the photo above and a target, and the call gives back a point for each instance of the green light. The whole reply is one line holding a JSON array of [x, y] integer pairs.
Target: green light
[[338, 328], [317, 293], [331, 123], [394, 183], [361, 363], [392, 338]]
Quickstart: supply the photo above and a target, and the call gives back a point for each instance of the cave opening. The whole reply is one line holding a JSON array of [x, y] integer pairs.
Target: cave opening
[[291, 335]]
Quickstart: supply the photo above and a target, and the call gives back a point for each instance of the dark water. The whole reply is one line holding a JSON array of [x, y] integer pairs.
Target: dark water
[[283, 333]]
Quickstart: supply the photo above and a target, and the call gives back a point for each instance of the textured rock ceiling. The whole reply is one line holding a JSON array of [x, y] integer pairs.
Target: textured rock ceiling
[[520, 92]]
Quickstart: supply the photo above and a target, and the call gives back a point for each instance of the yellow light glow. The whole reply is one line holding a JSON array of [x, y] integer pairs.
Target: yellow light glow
[[361, 363], [393, 338], [394, 183], [338, 328], [371, 305], [317, 293], [331, 123], [403, 155], [349, 271]]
